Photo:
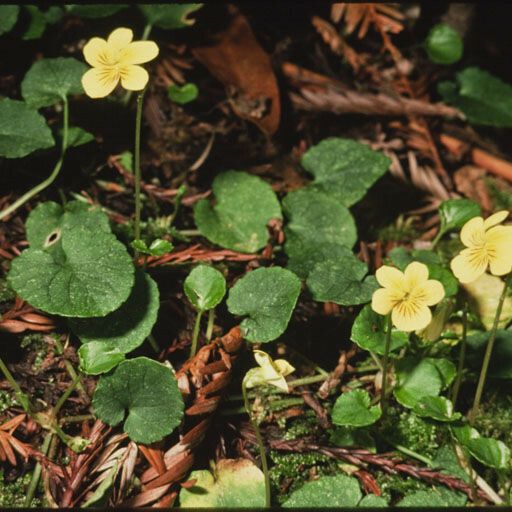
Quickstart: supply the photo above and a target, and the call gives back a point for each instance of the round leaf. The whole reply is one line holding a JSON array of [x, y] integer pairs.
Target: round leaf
[[342, 281], [147, 393], [169, 16], [436, 407], [49, 81], [244, 206], [334, 491], [184, 94], [353, 409], [344, 169], [121, 331], [72, 268], [267, 296], [205, 287], [318, 228], [444, 44], [8, 17], [22, 130], [369, 332], [236, 483], [438, 497], [373, 501]]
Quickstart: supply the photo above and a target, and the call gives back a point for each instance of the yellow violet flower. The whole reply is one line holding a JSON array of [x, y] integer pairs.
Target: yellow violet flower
[[407, 295], [487, 245], [116, 59], [269, 372]]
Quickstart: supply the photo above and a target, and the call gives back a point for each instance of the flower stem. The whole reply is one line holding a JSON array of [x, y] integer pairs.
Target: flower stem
[[48, 181], [138, 123], [307, 380], [209, 326], [261, 446], [385, 361], [488, 352], [195, 334], [462, 355], [20, 395], [36, 475]]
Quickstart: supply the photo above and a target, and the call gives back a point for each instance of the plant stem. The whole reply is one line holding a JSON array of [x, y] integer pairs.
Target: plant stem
[[154, 344], [195, 334], [69, 367], [307, 380], [462, 355], [138, 123], [48, 181], [209, 326], [20, 395], [36, 475], [261, 446], [437, 238], [385, 361], [65, 396], [488, 353]]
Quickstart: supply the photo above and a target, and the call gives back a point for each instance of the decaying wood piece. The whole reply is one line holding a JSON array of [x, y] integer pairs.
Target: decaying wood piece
[[202, 381]]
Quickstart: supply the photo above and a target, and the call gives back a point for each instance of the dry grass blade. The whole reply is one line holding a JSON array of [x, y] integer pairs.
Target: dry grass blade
[[9, 444]]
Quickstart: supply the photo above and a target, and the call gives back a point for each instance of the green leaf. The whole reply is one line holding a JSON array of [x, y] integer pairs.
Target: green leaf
[[444, 44], [318, 228], [454, 213], [169, 16], [483, 98], [205, 287], [438, 497], [353, 409], [436, 407], [373, 501], [126, 160], [8, 17], [489, 451], [78, 136], [235, 483], [267, 296], [39, 19], [49, 81], [121, 331], [184, 94], [158, 247], [23, 130], [334, 491], [342, 281], [74, 266], [369, 332], [147, 393], [95, 10], [344, 169], [500, 366], [447, 460], [353, 436], [418, 378], [102, 493], [244, 206]]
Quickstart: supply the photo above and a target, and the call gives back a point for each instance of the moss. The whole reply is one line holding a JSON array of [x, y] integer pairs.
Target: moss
[[297, 468], [395, 487], [302, 426], [36, 343], [7, 400], [400, 231], [418, 434], [13, 494], [6, 292], [495, 418]]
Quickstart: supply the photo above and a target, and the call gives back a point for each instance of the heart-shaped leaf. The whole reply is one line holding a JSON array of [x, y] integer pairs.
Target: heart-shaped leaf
[[369, 332], [444, 44], [39, 20], [205, 287], [436, 407], [336, 491], [353, 409], [267, 296], [344, 169], [169, 16], [419, 378], [454, 213], [78, 136], [438, 497], [235, 483], [244, 206], [373, 501], [342, 281], [184, 94], [22, 130], [74, 266], [319, 228], [144, 391], [107, 339], [49, 81], [8, 17]]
